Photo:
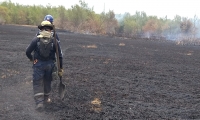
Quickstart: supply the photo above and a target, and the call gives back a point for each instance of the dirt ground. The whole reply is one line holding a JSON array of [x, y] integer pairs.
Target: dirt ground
[[106, 78]]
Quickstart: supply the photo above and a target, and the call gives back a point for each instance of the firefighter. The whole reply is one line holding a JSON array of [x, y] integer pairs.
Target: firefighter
[[43, 58]]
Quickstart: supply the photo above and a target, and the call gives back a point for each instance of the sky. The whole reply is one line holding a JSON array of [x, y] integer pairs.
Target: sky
[[160, 8]]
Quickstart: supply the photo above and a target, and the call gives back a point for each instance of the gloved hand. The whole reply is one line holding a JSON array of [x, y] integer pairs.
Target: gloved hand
[[60, 73]]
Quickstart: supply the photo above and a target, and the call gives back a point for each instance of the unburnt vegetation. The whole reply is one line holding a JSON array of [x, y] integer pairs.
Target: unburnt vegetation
[[82, 18]]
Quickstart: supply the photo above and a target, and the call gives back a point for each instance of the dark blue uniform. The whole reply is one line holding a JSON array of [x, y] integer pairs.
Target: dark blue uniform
[[42, 69]]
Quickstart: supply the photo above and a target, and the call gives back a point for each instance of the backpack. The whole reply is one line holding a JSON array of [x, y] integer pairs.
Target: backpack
[[45, 45]]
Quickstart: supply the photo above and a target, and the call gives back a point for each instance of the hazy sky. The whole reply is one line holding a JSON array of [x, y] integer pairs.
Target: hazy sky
[[160, 8]]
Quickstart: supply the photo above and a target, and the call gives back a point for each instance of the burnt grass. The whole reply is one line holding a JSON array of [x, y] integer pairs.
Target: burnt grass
[[107, 78]]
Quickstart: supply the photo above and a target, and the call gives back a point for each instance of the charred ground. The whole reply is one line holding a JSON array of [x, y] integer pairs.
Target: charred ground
[[106, 78]]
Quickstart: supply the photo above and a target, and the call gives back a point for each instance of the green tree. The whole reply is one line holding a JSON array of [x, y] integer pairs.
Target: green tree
[[110, 23], [78, 15], [4, 15], [130, 25], [140, 18], [61, 18]]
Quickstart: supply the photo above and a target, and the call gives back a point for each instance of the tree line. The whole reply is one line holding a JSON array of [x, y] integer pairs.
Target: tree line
[[81, 18]]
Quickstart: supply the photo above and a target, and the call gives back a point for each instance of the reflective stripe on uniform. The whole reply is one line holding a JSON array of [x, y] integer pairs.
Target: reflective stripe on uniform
[[38, 94]]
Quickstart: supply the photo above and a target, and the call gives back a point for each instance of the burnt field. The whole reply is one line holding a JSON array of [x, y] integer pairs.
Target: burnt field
[[106, 78]]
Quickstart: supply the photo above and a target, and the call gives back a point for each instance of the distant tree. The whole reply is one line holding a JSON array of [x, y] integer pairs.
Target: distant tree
[[78, 15], [140, 18], [163, 25], [186, 26], [196, 23], [110, 23], [12, 10], [22, 17], [62, 17], [82, 18], [151, 26], [94, 23], [174, 27], [130, 25], [4, 15], [99, 23]]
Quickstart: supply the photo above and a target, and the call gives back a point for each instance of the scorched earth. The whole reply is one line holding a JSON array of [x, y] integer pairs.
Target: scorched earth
[[106, 78]]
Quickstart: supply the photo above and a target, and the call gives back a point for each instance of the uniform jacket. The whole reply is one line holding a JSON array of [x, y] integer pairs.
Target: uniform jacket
[[33, 47]]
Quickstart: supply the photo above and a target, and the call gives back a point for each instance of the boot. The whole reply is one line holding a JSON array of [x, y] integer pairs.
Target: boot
[[39, 100], [47, 99], [39, 107]]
